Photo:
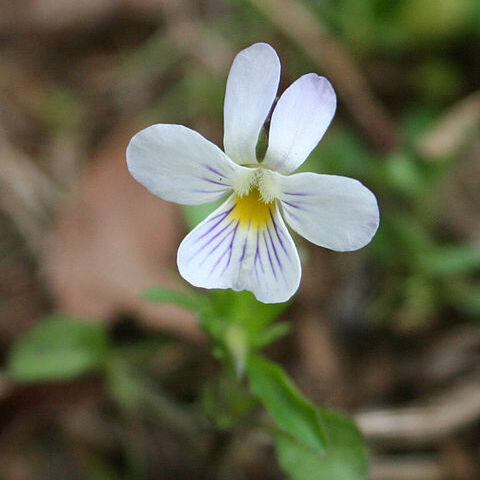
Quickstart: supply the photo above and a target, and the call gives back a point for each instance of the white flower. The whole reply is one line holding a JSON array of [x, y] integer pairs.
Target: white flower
[[244, 244]]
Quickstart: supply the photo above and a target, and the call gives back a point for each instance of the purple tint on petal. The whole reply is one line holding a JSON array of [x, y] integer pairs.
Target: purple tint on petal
[[372, 224], [292, 215]]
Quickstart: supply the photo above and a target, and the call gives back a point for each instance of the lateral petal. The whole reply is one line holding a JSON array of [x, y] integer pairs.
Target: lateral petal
[[179, 165], [331, 211]]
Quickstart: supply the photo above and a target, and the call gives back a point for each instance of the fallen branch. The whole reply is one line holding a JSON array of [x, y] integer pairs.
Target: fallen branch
[[444, 415], [298, 24], [408, 467]]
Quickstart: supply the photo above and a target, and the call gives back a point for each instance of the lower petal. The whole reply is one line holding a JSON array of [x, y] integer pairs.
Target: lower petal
[[244, 249], [331, 211]]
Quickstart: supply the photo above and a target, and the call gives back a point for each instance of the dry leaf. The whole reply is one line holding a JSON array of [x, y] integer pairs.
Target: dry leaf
[[114, 241]]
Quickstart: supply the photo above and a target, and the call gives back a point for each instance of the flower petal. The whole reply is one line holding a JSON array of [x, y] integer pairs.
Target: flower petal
[[179, 165], [251, 89], [300, 119], [230, 250], [331, 211]]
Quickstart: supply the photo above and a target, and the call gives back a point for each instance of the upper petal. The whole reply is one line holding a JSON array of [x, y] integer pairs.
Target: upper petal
[[331, 211], [251, 89], [231, 249], [300, 119], [179, 165]]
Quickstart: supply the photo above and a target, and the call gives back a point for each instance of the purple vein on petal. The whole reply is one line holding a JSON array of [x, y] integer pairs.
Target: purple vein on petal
[[269, 256], [277, 231], [220, 242], [257, 253], [256, 270], [244, 249], [224, 213], [275, 250], [220, 258], [219, 190], [230, 249], [293, 205], [209, 240], [297, 194], [211, 229], [209, 180], [213, 170]]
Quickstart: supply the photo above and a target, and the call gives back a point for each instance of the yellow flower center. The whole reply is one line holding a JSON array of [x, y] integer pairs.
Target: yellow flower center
[[252, 210]]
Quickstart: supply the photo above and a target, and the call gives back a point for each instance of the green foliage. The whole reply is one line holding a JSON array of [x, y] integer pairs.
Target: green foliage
[[344, 459], [58, 348], [229, 317], [188, 299], [311, 443], [465, 297], [62, 109], [290, 410], [452, 259], [415, 55], [225, 402], [392, 26], [194, 214]]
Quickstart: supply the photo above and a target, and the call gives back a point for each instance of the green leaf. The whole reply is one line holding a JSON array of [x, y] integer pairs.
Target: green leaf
[[187, 300], [464, 296], [270, 334], [401, 239], [242, 307], [194, 214], [404, 175], [262, 144], [58, 348], [453, 259], [225, 402], [345, 458], [290, 410]]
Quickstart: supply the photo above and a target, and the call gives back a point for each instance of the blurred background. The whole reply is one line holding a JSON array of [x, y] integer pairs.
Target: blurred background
[[389, 334]]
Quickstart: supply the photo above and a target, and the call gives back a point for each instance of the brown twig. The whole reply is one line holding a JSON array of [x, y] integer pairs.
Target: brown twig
[[444, 415], [26, 193], [452, 130], [298, 24], [408, 468], [196, 40]]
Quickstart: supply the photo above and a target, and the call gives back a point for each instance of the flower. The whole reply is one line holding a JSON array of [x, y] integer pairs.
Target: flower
[[244, 244]]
